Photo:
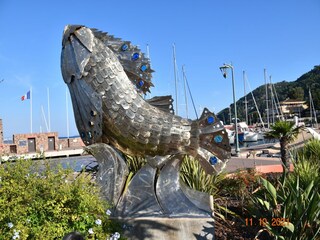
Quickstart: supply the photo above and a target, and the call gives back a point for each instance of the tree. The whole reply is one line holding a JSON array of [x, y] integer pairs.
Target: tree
[[296, 93], [286, 132]]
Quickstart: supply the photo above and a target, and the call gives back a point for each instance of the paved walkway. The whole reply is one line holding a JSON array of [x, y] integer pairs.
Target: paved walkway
[[243, 162]]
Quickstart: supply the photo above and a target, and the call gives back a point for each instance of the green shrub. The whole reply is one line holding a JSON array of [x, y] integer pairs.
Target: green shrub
[[296, 199], [47, 203], [306, 170], [311, 151], [240, 184]]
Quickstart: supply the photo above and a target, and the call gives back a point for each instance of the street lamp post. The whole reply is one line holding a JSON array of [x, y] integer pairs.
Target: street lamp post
[[223, 69]]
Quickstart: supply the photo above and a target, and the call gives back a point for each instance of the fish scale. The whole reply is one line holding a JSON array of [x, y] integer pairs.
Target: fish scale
[[130, 123]]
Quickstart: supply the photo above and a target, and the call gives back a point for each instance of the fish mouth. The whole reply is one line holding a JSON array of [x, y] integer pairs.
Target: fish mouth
[[67, 31], [77, 46]]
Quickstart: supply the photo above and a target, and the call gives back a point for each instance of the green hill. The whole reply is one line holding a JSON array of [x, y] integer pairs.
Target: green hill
[[298, 90]]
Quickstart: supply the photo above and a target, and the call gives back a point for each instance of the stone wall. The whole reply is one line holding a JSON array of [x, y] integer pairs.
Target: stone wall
[[74, 143], [5, 149]]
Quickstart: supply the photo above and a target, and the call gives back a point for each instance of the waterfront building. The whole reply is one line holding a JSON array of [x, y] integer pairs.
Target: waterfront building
[[37, 143]]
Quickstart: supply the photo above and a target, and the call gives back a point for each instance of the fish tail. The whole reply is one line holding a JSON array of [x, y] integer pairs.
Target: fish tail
[[212, 140]]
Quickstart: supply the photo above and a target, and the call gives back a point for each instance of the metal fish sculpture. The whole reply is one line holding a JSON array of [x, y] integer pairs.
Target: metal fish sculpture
[[106, 78]]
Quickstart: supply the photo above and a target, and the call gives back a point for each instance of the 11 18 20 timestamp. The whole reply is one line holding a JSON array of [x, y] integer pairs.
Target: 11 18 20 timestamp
[[274, 222]]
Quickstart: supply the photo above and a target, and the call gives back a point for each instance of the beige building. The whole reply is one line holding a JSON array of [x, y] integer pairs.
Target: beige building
[[34, 142], [37, 143], [292, 107]]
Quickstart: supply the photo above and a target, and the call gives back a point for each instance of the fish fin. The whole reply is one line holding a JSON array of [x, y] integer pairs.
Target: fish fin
[[135, 64], [164, 103], [213, 138]]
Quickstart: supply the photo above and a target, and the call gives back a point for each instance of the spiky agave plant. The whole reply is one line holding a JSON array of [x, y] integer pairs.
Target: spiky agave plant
[[193, 175], [134, 164], [291, 211]]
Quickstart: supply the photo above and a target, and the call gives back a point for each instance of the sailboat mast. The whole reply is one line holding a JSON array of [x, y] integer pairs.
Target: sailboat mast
[[185, 90], [312, 110], [277, 103], [245, 96], [148, 94], [175, 75], [272, 99], [148, 53], [45, 120], [310, 107], [255, 104], [31, 99], [267, 99], [49, 121]]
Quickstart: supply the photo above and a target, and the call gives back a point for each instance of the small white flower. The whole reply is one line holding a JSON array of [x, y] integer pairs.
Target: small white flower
[[16, 234], [10, 224], [90, 231], [108, 212], [117, 235], [28, 220], [98, 222], [65, 181]]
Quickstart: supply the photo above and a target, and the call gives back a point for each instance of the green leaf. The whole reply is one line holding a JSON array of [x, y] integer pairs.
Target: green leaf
[[264, 203], [309, 188], [289, 226], [271, 189]]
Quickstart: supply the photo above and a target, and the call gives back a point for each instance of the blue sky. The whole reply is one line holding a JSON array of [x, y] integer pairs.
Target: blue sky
[[281, 36]]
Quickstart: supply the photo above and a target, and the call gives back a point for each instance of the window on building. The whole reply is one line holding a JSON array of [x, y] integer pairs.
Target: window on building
[[22, 143]]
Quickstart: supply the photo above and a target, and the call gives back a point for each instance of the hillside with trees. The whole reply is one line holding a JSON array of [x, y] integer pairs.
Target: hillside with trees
[[295, 90]]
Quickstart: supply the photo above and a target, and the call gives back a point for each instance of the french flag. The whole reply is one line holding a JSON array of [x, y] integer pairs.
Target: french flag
[[26, 96]]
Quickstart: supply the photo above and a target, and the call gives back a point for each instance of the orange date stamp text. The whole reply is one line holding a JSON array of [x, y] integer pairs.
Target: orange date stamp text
[[262, 222]]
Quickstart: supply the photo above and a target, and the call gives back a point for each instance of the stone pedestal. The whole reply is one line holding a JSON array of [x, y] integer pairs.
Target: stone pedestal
[[168, 228]]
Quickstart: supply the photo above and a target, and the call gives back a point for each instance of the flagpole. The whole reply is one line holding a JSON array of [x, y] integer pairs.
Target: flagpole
[[49, 122], [31, 109], [67, 109]]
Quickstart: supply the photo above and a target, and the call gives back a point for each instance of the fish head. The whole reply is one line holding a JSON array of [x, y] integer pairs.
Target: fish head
[[78, 43], [214, 148], [77, 46]]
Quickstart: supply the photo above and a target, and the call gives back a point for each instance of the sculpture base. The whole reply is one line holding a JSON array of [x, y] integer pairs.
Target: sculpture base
[[168, 228]]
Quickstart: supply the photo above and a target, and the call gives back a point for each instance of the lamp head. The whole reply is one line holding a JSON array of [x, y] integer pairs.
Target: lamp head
[[223, 70]]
